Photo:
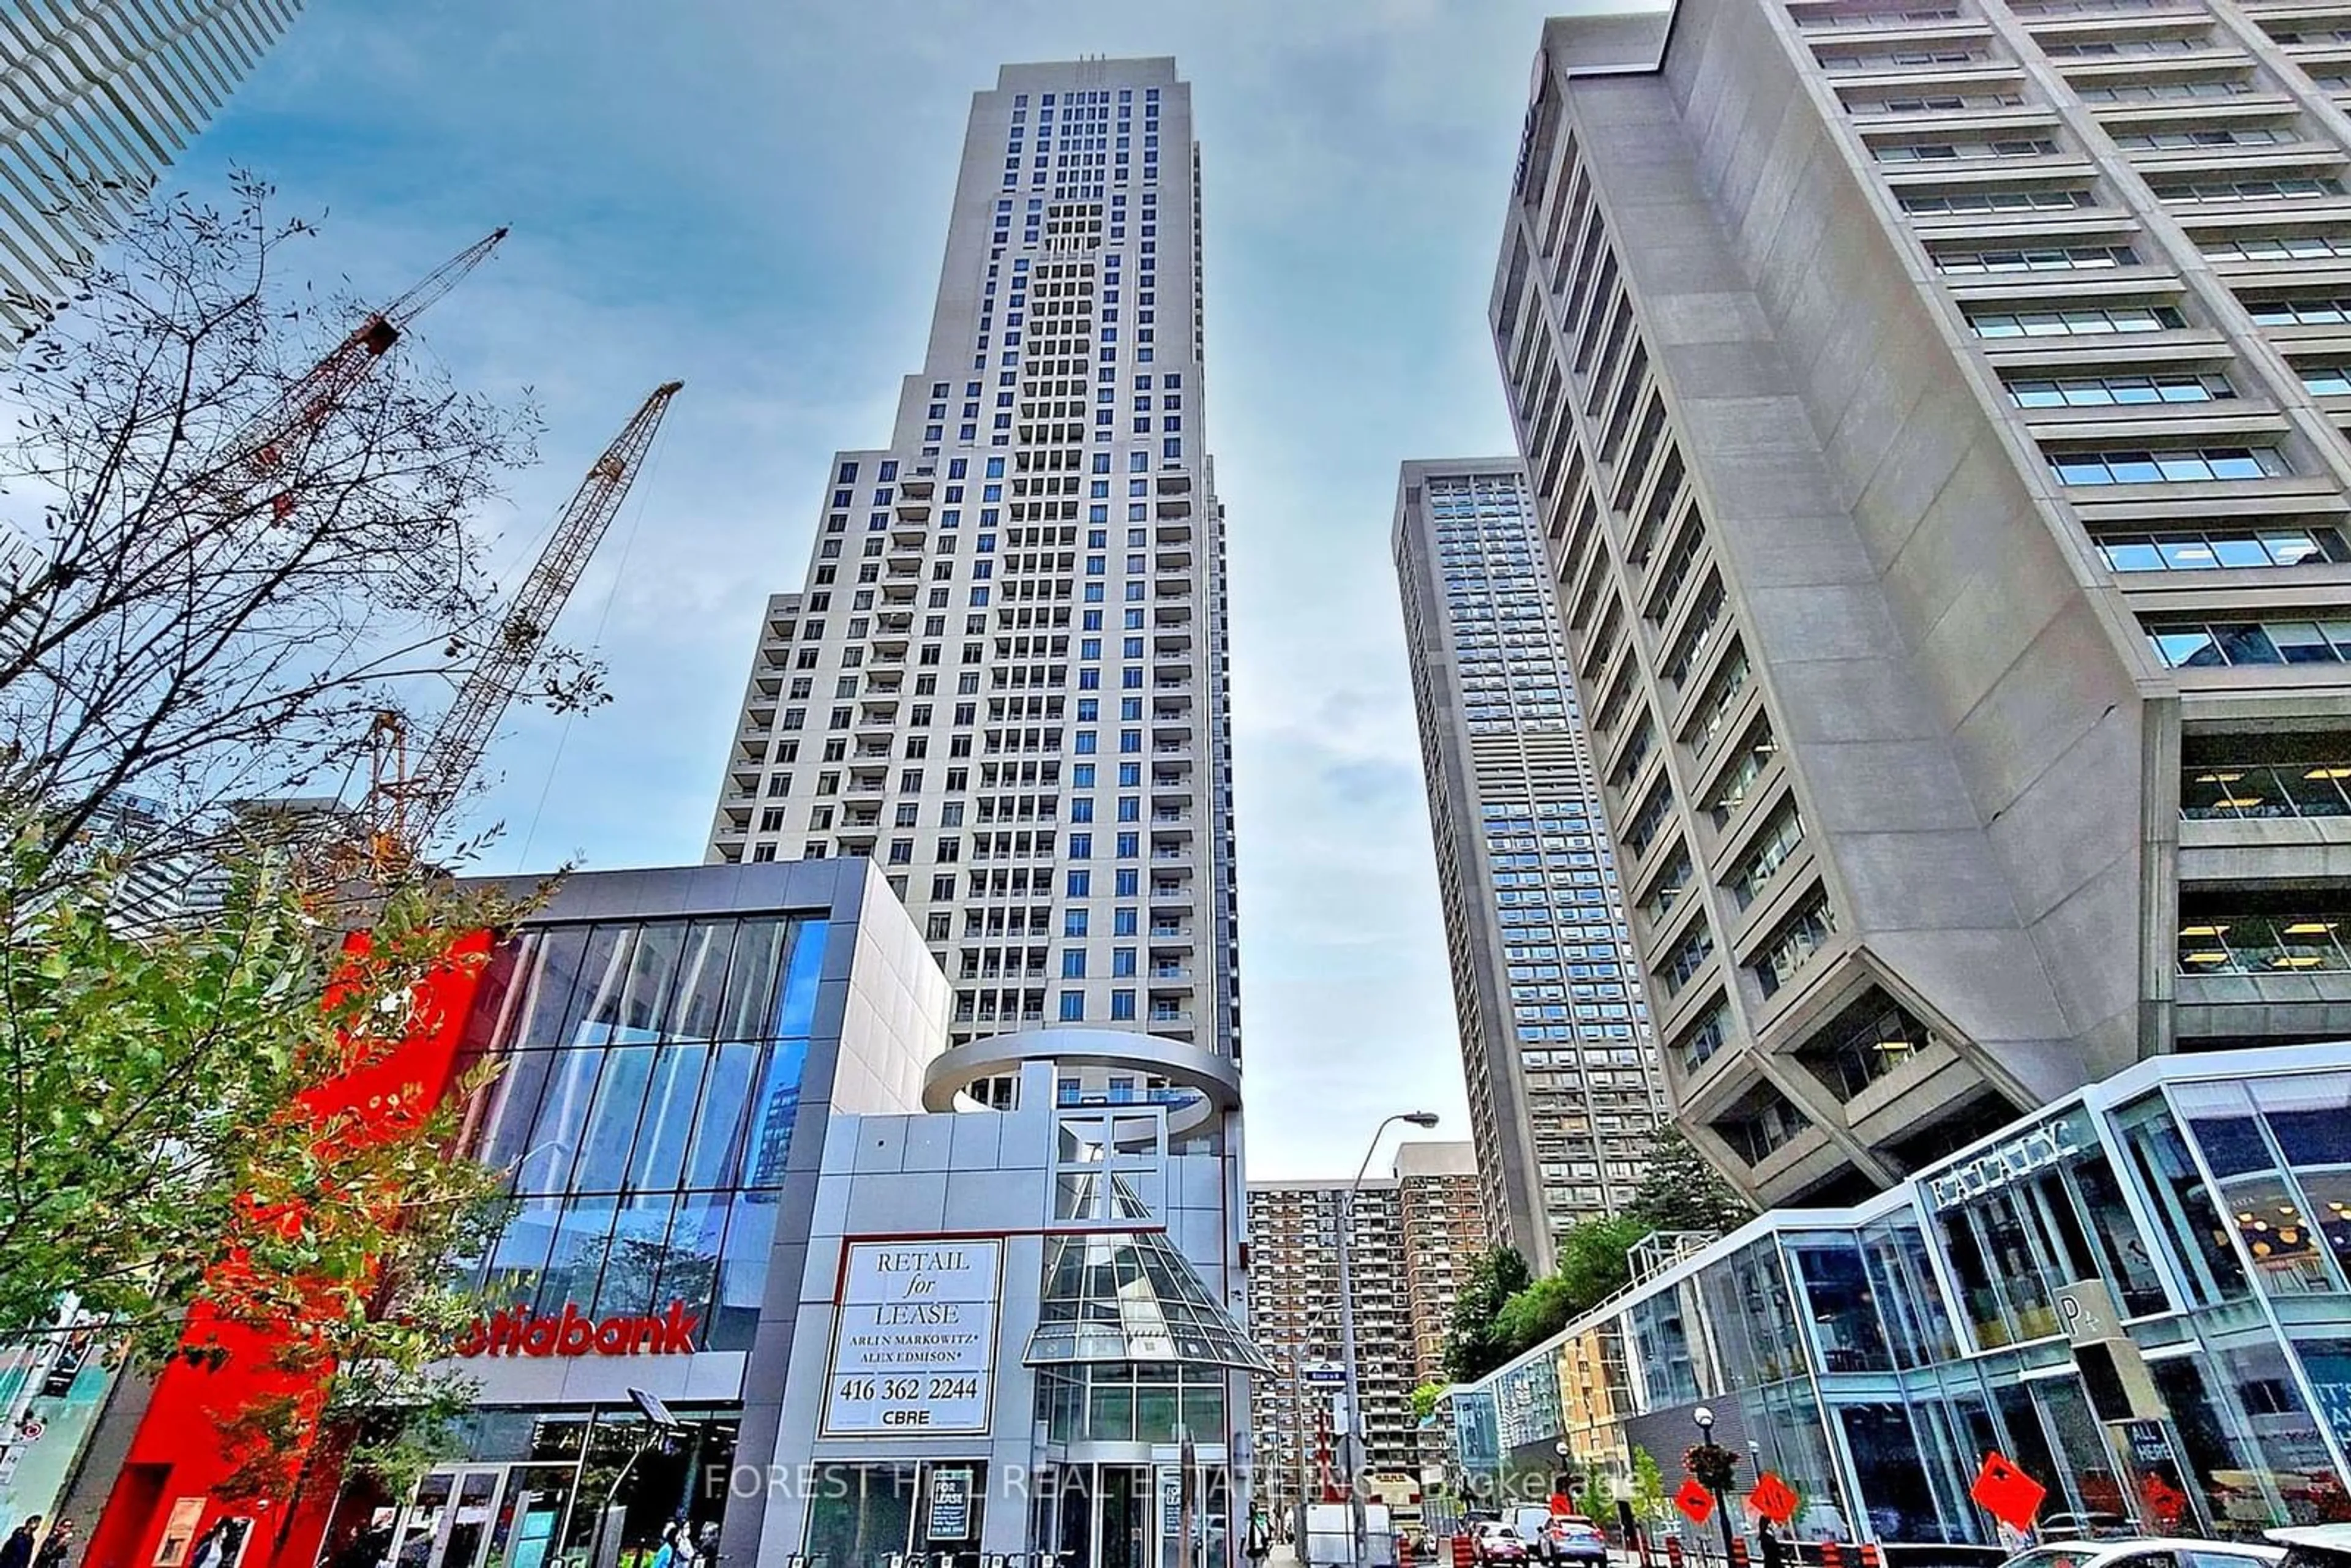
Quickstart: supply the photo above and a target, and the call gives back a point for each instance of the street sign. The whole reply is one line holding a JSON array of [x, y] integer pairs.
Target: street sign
[[2007, 1493], [1331, 1372], [1694, 1500], [1774, 1499]]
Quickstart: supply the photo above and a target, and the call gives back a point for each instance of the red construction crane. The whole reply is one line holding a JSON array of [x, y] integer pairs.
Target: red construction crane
[[408, 801], [258, 447]]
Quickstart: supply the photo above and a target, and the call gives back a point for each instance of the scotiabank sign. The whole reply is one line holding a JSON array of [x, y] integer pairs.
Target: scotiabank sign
[[568, 1333]]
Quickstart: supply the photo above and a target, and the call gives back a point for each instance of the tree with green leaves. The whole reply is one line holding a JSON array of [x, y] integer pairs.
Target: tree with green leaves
[[1594, 1263], [1424, 1398], [1596, 1502], [1650, 1503], [1533, 1315], [1679, 1190], [1473, 1344], [209, 617], [189, 1163]]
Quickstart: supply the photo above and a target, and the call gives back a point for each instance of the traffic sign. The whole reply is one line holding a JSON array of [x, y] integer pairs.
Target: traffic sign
[[1774, 1499], [1694, 1500], [2007, 1493]]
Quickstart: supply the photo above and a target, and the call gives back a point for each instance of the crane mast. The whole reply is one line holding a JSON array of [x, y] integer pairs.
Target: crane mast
[[258, 448], [410, 803]]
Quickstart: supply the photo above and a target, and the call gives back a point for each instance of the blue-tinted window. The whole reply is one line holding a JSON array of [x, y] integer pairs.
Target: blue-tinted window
[[652, 1083]]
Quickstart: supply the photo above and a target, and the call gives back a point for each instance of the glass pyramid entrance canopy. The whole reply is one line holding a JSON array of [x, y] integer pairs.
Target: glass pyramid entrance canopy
[[1129, 1296]]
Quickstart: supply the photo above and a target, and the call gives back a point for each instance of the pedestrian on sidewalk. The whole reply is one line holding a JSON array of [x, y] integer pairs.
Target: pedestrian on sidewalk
[[53, 1550], [16, 1552]]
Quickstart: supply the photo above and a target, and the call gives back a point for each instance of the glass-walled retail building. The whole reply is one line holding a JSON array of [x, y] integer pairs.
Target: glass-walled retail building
[[2141, 1297], [782, 1270], [671, 1048]]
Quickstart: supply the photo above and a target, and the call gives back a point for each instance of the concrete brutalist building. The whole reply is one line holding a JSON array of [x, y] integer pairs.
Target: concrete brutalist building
[[1933, 410]]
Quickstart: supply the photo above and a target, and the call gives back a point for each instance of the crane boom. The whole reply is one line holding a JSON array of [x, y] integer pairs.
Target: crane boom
[[256, 449], [449, 759]]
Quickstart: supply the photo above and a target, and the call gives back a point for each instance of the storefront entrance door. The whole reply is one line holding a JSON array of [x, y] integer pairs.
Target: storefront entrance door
[[484, 1516]]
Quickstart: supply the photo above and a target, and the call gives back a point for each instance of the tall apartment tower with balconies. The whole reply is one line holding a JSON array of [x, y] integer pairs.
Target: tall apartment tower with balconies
[[102, 96], [1005, 677], [1293, 1230], [1556, 1042], [1935, 413], [1441, 1228], [1415, 1236]]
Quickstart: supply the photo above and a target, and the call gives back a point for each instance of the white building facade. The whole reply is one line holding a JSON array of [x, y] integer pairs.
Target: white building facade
[[1005, 677]]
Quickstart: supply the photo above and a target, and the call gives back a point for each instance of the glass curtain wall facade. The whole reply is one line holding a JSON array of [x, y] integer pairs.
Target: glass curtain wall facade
[[2140, 1298], [650, 1078], [1556, 1042]]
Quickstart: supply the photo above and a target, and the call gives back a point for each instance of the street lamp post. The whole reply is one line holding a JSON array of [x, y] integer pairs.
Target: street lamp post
[[1352, 1447], [1704, 1416]]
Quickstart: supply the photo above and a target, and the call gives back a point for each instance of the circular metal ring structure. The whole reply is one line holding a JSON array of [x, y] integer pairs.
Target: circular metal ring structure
[[1215, 1078]]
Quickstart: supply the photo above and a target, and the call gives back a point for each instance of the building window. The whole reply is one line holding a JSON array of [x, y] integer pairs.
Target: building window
[[2276, 248], [1698, 1044], [688, 1106], [2321, 312], [2215, 549], [1642, 831], [2207, 644], [2285, 190], [2306, 941], [2035, 259], [1666, 889], [1942, 203], [1687, 957], [2178, 465], [1962, 152], [1791, 947], [1763, 1121], [1721, 696], [2076, 321], [1863, 1044], [2118, 391], [1731, 790], [1778, 841], [2316, 783]]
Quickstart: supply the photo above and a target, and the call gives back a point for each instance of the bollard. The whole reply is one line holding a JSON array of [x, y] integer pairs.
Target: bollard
[[1737, 1551], [1673, 1552], [1869, 1557], [1831, 1554]]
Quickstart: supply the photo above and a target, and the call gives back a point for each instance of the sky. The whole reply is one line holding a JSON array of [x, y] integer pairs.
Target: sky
[[753, 197]]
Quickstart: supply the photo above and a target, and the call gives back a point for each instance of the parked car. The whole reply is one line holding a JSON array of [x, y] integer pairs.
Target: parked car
[[1499, 1543], [2315, 1545], [1573, 1539], [2091, 1525], [2151, 1552], [1529, 1520]]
